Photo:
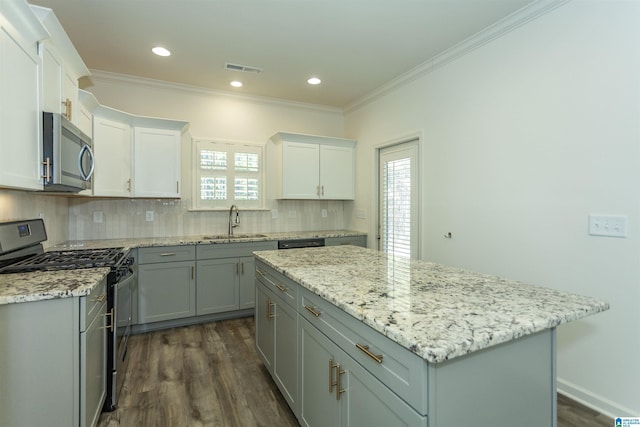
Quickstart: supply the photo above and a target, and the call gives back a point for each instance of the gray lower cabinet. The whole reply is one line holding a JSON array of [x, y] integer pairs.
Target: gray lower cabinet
[[276, 341], [346, 240], [336, 391], [166, 283], [52, 362], [226, 276]]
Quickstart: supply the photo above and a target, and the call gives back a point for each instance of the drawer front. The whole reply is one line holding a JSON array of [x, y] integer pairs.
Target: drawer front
[[401, 370], [232, 250], [90, 305], [280, 285], [158, 254]]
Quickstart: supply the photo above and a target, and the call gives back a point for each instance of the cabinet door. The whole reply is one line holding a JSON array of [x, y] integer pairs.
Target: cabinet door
[[51, 79], [285, 365], [112, 149], [247, 282], [20, 114], [93, 369], [264, 316], [367, 402], [300, 170], [156, 163], [166, 291], [217, 285], [318, 405], [337, 172]]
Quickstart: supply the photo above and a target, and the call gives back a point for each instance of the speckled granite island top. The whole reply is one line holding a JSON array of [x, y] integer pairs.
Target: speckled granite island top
[[44, 285], [435, 311]]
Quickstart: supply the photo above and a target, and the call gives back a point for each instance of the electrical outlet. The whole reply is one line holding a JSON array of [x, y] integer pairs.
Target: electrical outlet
[[97, 217], [324, 213], [274, 214], [608, 225], [149, 216]]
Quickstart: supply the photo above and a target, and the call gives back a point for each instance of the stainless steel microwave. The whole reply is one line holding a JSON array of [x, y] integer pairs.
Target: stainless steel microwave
[[67, 156]]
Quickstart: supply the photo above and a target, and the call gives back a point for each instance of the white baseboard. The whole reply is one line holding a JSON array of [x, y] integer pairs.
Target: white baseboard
[[594, 401]]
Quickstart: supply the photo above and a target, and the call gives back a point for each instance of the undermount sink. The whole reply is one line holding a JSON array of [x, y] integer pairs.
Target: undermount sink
[[234, 236]]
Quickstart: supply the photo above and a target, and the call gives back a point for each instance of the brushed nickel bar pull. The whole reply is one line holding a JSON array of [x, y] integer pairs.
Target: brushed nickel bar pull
[[47, 165], [193, 272], [268, 309], [260, 272], [168, 254], [111, 324], [237, 268], [318, 190], [100, 298], [339, 389], [242, 264], [313, 311], [323, 190], [332, 383], [177, 186], [271, 305], [280, 287], [129, 185], [365, 349]]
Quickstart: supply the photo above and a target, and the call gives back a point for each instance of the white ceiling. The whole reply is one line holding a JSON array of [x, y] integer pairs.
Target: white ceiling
[[354, 46]]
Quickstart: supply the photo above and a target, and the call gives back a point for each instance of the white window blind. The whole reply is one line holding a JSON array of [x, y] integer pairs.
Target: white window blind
[[227, 174], [398, 200]]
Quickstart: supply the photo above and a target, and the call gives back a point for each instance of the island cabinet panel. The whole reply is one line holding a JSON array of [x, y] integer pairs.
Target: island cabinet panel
[[515, 380], [276, 341], [399, 369], [335, 390]]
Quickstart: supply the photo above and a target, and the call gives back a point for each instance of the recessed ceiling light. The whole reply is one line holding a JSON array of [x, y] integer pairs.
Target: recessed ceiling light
[[161, 51], [236, 83], [314, 81]]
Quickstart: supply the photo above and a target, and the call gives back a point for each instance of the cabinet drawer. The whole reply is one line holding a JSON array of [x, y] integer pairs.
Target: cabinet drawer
[[232, 250], [401, 370], [91, 304], [166, 254], [280, 285]]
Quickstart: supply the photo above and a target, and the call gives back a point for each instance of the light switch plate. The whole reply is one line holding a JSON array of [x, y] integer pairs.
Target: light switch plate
[[274, 214], [608, 225], [323, 212], [97, 217]]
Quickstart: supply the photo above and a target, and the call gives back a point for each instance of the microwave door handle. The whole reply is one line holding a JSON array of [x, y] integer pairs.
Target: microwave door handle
[[83, 150]]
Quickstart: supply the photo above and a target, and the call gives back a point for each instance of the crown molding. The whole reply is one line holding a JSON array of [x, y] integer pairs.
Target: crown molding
[[110, 77], [518, 18]]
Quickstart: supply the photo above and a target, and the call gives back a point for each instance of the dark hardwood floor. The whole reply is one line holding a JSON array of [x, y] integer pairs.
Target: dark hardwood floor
[[210, 375]]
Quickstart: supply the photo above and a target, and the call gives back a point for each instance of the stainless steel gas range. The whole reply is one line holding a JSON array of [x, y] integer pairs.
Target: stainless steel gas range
[[21, 251]]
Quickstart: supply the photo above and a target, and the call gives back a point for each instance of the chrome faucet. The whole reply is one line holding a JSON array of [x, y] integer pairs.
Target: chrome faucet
[[233, 223]]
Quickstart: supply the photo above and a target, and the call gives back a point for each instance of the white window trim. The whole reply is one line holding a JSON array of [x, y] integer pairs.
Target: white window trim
[[230, 147]]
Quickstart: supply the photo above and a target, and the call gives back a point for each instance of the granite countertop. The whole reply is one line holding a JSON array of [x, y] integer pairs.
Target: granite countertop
[[44, 285], [39, 285], [140, 242], [435, 311]]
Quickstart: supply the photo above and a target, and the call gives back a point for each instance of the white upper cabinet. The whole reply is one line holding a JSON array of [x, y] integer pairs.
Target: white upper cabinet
[[310, 167], [112, 152], [62, 66], [20, 113], [156, 157]]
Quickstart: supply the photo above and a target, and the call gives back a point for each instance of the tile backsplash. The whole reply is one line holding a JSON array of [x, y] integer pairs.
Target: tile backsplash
[[128, 218], [78, 218], [19, 205]]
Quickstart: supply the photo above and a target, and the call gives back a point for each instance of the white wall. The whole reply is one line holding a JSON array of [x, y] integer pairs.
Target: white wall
[[211, 115], [521, 139]]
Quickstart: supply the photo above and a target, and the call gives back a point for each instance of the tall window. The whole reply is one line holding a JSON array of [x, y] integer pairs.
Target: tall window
[[398, 210], [227, 174]]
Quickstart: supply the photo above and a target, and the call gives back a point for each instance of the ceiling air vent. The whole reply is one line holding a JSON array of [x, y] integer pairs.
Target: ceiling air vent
[[244, 68]]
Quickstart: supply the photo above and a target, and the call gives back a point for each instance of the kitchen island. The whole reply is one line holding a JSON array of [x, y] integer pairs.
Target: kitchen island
[[414, 342]]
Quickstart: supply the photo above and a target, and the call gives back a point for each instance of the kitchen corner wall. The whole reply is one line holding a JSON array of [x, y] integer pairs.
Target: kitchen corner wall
[[211, 114], [19, 205], [127, 218]]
